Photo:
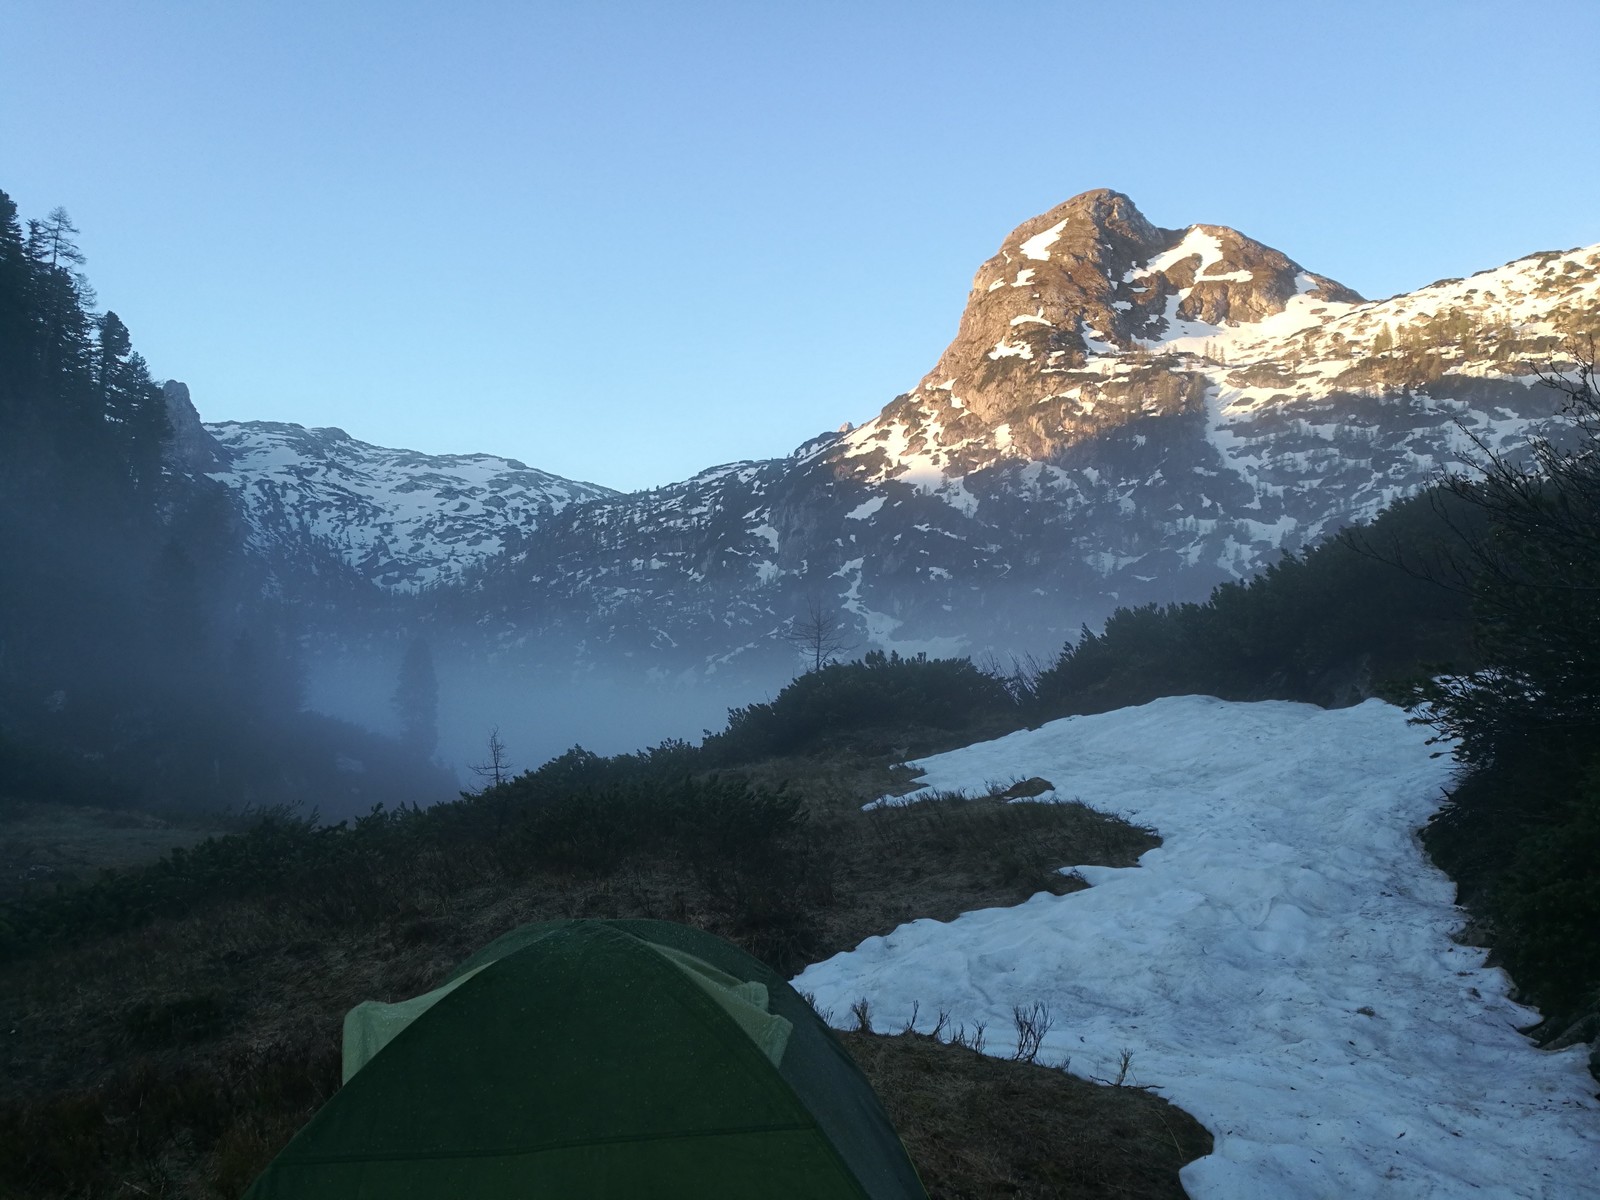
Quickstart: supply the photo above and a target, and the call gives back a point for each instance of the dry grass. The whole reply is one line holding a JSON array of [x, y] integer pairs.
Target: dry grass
[[175, 1060], [45, 844], [981, 1128]]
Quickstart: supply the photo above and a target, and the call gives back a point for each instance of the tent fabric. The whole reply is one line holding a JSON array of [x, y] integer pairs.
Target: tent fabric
[[601, 1059], [746, 1002], [372, 1024]]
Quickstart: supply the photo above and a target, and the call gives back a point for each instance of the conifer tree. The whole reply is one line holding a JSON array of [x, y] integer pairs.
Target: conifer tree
[[416, 700], [13, 309], [1536, 579], [58, 300], [131, 404]]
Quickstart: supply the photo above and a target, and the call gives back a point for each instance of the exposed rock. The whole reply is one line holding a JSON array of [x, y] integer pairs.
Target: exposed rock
[[192, 448], [1094, 272], [1127, 414]]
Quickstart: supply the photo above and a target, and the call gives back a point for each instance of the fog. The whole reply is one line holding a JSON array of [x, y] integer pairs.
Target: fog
[[539, 716]]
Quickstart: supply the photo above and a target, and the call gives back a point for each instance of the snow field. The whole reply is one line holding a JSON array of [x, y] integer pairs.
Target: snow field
[[1281, 967]]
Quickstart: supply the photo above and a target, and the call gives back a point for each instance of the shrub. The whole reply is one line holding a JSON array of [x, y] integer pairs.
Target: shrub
[[878, 692], [1328, 626]]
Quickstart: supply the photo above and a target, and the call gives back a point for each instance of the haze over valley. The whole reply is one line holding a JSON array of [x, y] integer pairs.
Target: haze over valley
[[1127, 415], [1010, 593]]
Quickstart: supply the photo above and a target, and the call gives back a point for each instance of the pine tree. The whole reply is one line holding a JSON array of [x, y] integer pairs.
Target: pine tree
[[131, 403], [58, 297], [14, 289], [416, 700]]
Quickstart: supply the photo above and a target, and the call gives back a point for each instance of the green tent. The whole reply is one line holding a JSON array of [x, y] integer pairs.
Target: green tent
[[581, 1059]]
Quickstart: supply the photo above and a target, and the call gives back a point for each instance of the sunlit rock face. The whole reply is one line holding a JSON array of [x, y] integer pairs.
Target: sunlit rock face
[[1091, 274], [1126, 414]]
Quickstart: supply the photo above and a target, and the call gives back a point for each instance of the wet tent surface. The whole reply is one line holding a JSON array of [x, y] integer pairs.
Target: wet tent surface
[[584, 1063]]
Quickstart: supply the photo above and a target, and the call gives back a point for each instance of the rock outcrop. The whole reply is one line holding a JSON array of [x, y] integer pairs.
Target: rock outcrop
[[192, 448]]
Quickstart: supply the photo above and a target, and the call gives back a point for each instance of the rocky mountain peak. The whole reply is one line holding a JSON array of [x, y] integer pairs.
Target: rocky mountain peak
[[1129, 415], [1093, 275], [191, 447]]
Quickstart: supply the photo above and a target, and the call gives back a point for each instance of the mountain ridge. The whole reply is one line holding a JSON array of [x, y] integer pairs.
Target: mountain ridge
[[401, 519], [1126, 414]]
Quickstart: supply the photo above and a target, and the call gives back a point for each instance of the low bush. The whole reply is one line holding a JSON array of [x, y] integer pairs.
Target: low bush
[[846, 701], [1329, 626]]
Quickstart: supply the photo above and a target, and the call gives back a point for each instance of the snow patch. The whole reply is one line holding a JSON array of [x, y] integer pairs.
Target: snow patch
[[1010, 349], [1281, 966], [1196, 243], [1038, 246]]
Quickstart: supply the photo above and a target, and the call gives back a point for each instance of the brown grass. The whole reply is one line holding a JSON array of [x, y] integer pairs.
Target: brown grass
[[42, 845], [176, 1060], [981, 1128]]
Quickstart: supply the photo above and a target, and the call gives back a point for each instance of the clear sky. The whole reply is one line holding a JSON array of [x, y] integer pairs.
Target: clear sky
[[626, 241]]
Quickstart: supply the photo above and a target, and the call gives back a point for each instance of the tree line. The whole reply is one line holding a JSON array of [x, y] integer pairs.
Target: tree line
[[140, 661]]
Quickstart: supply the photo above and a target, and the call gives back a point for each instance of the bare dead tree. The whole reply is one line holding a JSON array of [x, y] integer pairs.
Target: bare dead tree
[[819, 632], [493, 771]]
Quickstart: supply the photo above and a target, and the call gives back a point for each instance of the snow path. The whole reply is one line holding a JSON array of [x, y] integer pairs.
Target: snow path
[[1281, 966]]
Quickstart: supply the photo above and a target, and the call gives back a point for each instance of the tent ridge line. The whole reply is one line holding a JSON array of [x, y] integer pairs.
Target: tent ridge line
[[429, 1155]]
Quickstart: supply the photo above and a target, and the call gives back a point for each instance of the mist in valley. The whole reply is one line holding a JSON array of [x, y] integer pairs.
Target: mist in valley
[[538, 714]]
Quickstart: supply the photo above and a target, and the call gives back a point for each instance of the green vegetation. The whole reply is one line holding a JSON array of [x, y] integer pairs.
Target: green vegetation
[[1522, 831], [140, 665], [1329, 626], [880, 695], [215, 981]]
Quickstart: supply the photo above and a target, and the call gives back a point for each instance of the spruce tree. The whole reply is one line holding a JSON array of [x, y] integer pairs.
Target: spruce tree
[[14, 288], [416, 700], [59, 296], [131, 404]]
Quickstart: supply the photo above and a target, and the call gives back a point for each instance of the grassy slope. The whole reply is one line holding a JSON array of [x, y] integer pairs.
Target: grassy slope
[[176, 1058], [45, 844]]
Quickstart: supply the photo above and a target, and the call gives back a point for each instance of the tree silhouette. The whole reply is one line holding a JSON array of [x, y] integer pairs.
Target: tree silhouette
[[495, 769], [819, 632], [1534, 579], [416, 700]]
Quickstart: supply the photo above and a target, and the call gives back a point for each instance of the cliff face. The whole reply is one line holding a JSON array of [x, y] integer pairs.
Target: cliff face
[[1090, 274], [1089, 280], [192, 448]]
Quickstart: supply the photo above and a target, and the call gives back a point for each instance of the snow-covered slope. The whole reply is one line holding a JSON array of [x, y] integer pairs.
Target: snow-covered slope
[[1281, 966], [1127, 414], [1192, 430], [402, 519]]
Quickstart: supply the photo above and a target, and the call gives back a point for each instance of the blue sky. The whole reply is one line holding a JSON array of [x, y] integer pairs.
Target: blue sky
[[625, 241]]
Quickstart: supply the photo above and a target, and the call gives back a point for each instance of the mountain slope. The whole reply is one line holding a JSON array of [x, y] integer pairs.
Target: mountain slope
[[1127, 413], [403, 520]]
